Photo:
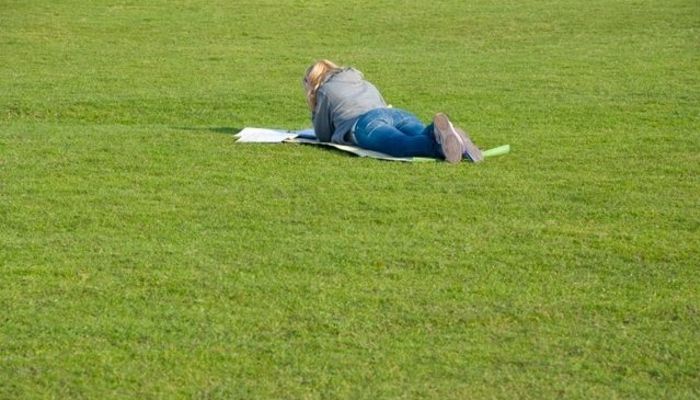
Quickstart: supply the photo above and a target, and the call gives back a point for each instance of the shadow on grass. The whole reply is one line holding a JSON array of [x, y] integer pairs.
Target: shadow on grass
[[221, 129]]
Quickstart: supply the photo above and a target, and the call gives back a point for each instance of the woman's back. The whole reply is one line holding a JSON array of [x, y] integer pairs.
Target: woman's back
[[340, 100]]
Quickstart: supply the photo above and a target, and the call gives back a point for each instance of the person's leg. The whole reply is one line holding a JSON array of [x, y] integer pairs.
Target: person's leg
[[412, 126], [377, 130], [409, 124]]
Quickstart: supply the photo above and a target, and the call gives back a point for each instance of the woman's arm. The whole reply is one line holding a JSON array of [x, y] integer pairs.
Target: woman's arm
[[321, 117]]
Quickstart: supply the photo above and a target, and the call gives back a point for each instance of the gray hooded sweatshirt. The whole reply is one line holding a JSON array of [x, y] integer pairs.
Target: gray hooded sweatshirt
[[342, 98]]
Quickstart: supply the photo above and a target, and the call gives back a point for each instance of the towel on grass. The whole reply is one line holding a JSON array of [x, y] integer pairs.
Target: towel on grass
[[307, 136]]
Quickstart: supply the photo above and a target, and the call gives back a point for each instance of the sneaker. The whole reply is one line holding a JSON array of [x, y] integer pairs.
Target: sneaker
[[447, 137], [471, 152]]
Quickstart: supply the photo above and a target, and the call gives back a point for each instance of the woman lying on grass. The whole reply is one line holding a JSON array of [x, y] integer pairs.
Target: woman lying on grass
[[347, 109]]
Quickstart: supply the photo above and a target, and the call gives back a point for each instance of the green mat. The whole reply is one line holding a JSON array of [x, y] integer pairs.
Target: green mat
[[496, 151]]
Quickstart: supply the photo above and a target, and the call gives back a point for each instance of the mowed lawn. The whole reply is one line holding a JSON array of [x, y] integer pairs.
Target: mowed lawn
[[144, 254]]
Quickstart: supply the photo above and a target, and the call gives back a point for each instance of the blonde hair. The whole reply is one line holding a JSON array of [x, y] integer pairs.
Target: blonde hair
[[315, 76]]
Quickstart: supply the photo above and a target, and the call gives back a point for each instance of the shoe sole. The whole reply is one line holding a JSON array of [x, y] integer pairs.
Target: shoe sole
[[470, 149], [449, 140]]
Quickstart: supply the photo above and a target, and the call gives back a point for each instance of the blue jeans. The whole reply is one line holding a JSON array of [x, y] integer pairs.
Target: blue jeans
[[396, 132]]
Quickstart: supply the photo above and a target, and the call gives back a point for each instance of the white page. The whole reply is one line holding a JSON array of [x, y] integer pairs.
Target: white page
[[264, 135]]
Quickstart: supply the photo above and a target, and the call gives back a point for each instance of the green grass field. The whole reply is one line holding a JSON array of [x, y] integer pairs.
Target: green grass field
[[145, 255]]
